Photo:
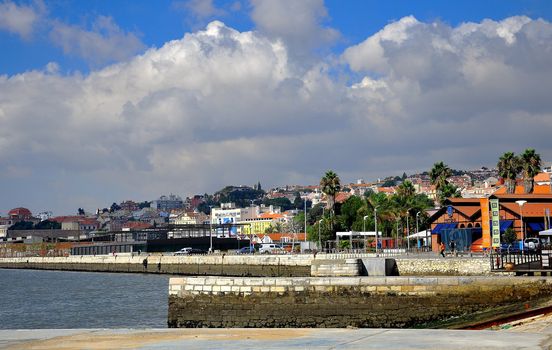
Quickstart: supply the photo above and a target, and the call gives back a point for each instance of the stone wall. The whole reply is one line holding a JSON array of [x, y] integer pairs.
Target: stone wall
[[244, 265], [450, 266], [218, 265], [342, 301], [336, 267]]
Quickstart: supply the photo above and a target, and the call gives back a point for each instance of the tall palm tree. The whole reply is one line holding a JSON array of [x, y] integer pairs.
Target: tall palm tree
[[438, 176], [330, 186], [509, 166], [406, 189], [531, 166]]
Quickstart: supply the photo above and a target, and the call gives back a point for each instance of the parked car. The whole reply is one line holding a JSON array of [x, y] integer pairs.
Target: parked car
[[184, 251], [270, 248], [531, 244], [189, 251], [246, 250]]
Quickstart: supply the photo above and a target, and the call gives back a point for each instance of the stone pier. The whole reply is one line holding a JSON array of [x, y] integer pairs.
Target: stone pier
[[392, 302]]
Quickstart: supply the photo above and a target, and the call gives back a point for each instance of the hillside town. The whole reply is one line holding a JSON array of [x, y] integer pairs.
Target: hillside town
[[342, 219]]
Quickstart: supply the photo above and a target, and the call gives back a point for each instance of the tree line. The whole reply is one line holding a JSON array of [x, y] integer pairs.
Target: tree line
[[393, 212]]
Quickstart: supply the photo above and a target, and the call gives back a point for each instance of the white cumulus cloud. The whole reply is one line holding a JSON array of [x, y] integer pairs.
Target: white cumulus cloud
[[220, 106], [18, 19], [299, 23], [105, 42]]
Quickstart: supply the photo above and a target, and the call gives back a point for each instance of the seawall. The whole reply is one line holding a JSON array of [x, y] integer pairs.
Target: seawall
[[197, 265], [390, 302], [248, 265]]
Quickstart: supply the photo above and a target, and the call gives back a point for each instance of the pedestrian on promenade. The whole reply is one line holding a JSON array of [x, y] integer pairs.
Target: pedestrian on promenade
[[452, 247], [442, 249]]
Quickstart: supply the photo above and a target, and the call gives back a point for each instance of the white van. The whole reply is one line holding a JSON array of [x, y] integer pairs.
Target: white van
[[270, 248]]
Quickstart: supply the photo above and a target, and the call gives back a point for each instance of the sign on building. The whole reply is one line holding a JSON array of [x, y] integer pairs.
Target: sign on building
[[495, 219]]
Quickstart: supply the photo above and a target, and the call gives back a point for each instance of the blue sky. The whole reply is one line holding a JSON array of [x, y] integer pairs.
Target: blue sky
[[105, 101], [157, 22]]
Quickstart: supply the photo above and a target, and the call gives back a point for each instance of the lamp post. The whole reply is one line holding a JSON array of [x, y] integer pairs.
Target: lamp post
[[211, 230], [250, 236], [319, 239], [417, 229], [397, 237], [251, 225], [376, 227], [364, 230], [408, 229], [521, 203], [305, 218]]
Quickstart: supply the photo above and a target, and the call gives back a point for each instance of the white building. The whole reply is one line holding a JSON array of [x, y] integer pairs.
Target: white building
[[3, 231]]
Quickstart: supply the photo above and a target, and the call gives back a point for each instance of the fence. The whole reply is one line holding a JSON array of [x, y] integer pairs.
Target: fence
[[500, 260]]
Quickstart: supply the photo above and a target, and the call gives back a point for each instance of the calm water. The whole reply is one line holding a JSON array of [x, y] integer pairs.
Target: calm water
[[53, 299]]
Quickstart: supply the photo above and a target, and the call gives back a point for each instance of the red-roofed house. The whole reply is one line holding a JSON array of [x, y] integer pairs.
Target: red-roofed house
[[135, 226]]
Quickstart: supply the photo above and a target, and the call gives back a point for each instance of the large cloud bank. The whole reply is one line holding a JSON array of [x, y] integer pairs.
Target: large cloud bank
[[224, 107]]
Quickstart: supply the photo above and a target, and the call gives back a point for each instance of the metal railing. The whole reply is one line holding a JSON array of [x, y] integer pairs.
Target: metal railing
[[500, 261]]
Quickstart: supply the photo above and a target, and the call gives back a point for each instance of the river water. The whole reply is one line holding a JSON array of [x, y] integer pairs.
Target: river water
[[31, 299]]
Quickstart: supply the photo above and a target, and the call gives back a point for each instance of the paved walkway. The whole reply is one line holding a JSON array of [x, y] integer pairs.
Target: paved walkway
[[266, 339]]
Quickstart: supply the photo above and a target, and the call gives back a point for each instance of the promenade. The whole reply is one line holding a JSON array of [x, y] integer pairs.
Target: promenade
[[536, 335]]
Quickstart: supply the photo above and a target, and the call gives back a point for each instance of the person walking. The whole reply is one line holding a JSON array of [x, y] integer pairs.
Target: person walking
[[452, 247], [442, 249]]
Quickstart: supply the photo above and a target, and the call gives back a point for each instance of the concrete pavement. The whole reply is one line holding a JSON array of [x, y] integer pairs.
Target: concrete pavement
[[293, 338]]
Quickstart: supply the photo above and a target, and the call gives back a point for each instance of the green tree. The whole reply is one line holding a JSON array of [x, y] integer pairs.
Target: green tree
[[282, 202], [325, 231], [47, 225], [531, 166], [449, 191], [114, 207], [144, 204], [350, 212], [330, 186], [438, 176], [298, 202], [22, 225], [509, 236], [509, 166], [406, 190]]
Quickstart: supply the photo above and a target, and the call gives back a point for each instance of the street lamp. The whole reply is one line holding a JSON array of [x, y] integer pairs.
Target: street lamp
[[376, 227], [397, 237], [417, 229], [305, 218], [408, 229], [364, 230], [521, 203], [319, 239], [211, 230]]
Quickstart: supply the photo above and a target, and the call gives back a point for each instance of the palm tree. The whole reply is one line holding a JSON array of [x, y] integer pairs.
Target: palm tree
[[438, 175], [531, 165], [406, 189], [509, 165], [330, 186]]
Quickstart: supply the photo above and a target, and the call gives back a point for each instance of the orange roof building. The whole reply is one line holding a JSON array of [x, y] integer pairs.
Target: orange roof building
[[526, 214]]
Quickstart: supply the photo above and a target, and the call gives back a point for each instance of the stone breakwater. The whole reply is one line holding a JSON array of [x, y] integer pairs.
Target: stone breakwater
[[390, 302], [303, 265]]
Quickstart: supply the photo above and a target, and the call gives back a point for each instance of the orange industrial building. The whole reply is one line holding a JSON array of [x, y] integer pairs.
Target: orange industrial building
[[460, 219]]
